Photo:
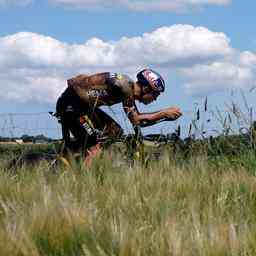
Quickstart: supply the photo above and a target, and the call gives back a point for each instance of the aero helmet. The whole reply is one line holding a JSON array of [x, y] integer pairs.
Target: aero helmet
[[148, 77]]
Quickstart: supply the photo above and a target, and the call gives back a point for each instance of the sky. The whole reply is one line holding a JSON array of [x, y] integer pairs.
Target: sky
[[202, 48]]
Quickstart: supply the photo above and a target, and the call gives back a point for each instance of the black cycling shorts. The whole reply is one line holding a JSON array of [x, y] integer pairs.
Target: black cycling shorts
[[82, 121]]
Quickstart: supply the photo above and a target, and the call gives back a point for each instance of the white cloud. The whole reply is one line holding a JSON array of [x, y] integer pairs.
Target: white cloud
[[31, 85], [175, 45], [218, 76], [141, 5], [34, 67], [30, 49], [248, 58]]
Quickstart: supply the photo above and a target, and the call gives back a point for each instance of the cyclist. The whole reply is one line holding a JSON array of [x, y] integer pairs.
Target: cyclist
[[79, 112]]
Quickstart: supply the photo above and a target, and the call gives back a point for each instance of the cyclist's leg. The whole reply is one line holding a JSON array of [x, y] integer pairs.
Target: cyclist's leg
[[89, 138], [81, 128], [103, 122], [85, 137], [108, 126], [100, 121], [73, 119]]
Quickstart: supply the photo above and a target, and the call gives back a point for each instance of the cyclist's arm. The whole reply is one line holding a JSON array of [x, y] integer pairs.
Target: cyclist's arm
[[141, 119]]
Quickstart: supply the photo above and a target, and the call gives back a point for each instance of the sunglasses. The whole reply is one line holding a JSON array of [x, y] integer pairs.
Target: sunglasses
[[155, 94]]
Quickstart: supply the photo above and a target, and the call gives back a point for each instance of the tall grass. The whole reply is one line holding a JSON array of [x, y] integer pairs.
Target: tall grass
[[199, 199], [171, 207]]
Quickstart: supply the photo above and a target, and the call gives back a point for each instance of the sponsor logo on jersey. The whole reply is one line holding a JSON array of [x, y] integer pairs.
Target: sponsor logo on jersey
[[115, 75], [97, 93], [112, 75], [86, 124], [69, 108], [119, 76]]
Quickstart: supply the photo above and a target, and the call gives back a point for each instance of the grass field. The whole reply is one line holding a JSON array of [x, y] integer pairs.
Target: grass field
[[179, 205]]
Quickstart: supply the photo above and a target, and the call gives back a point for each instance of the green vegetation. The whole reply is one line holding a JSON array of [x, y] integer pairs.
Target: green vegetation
[[27, 138], [198, 199]]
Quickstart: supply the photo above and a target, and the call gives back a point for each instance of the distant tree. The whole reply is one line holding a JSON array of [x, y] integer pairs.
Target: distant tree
[[27, 138], [41, 137]]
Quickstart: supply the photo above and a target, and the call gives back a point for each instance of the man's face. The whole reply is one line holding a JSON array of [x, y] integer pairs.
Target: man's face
[[148, 95]]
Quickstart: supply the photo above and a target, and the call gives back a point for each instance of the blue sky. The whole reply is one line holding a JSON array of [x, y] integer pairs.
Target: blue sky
[[202, 48]]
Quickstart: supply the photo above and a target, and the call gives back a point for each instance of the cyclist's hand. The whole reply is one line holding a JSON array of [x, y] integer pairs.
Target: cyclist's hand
[[172, 113]]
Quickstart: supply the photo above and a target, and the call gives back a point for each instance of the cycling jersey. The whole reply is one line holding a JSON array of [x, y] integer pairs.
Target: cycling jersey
[[102, 88], [78, 105]]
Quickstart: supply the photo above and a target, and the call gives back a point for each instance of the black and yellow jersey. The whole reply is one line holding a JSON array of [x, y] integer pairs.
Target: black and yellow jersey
[[102, 88]]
